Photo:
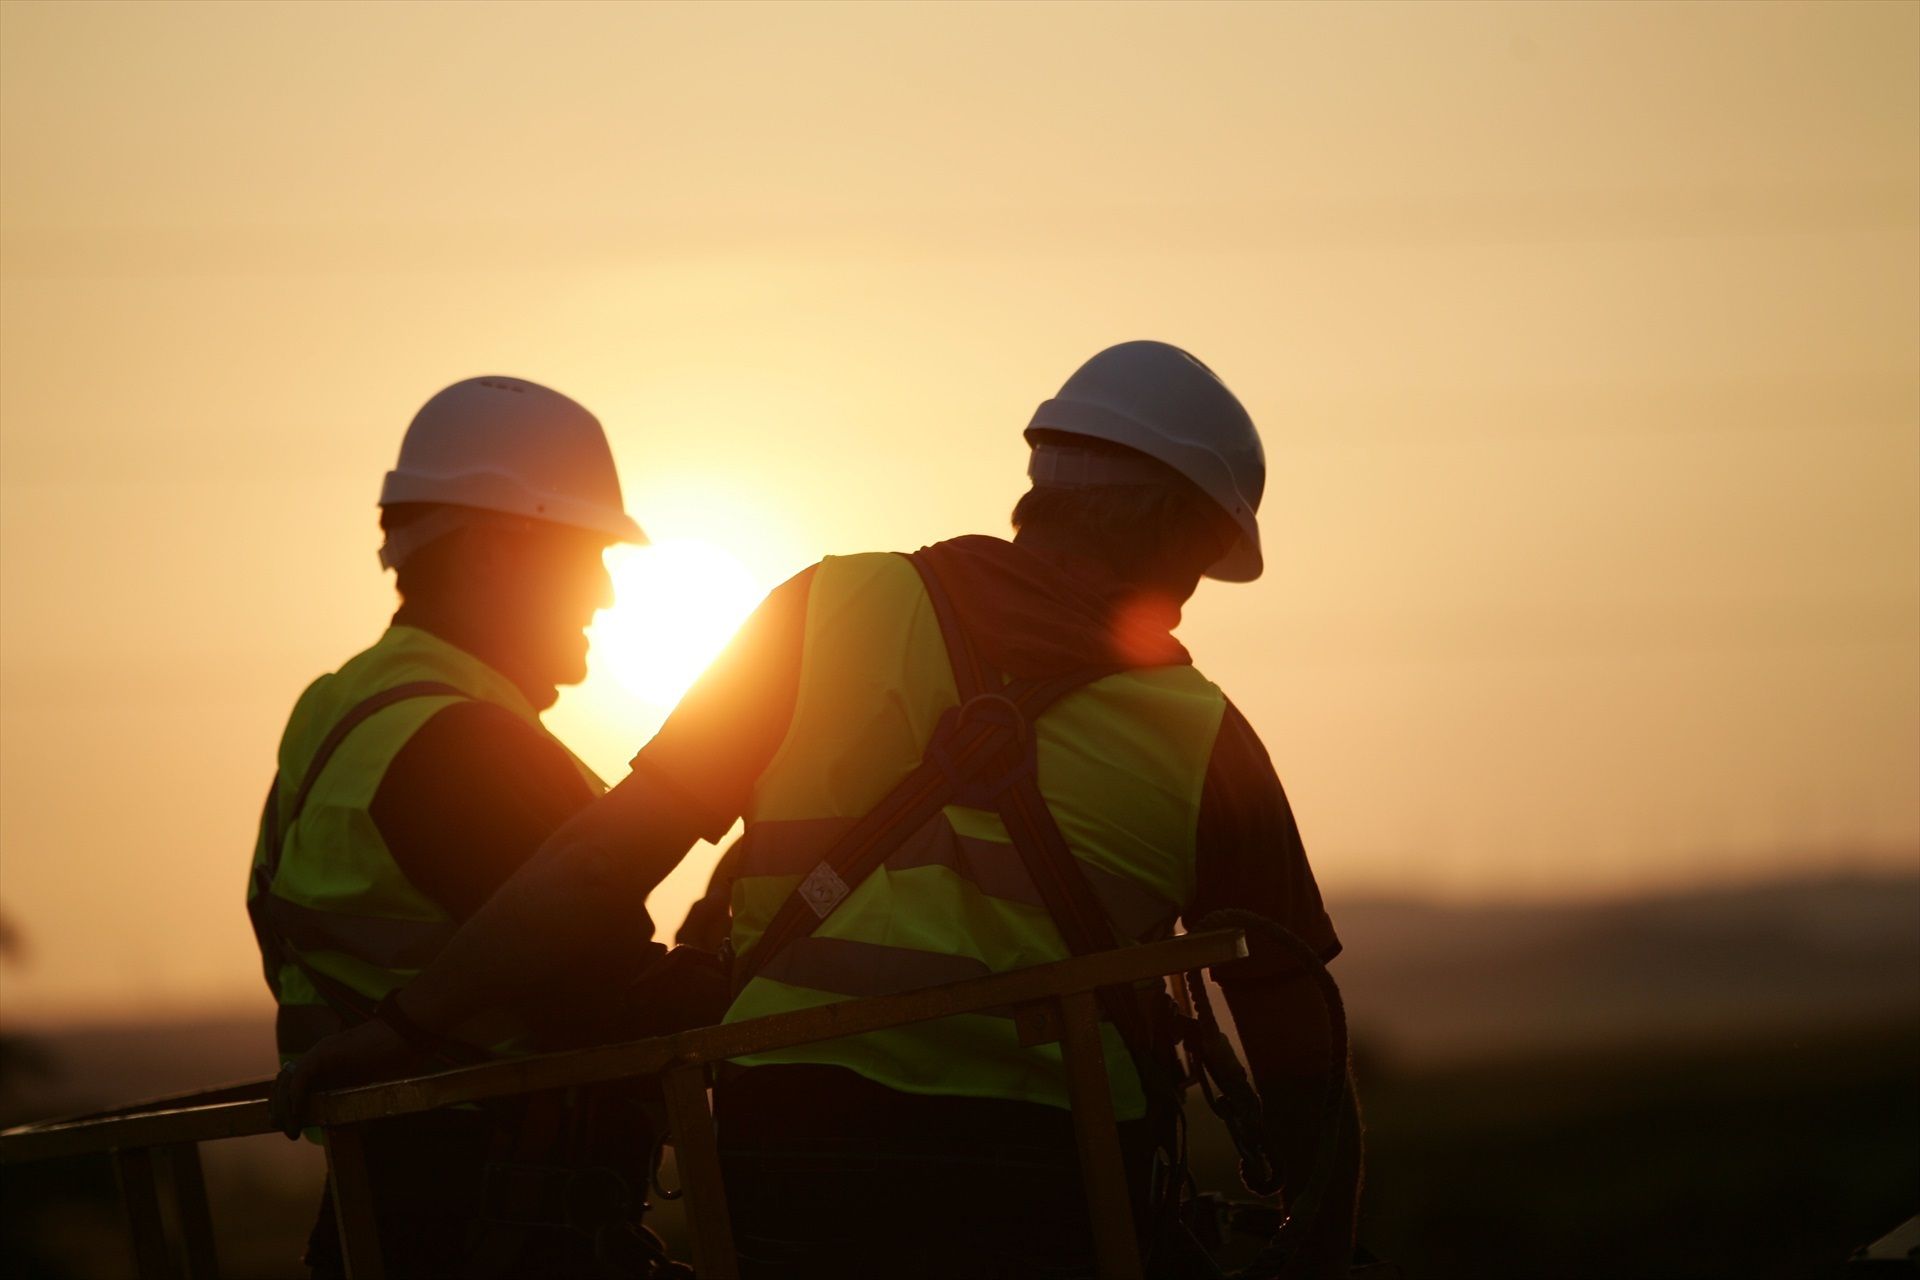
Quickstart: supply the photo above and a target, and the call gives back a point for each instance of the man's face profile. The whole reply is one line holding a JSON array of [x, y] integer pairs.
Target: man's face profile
[[546, 582]]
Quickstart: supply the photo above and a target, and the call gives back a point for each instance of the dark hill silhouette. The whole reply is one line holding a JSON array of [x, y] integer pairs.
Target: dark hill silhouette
[[1429, 981]]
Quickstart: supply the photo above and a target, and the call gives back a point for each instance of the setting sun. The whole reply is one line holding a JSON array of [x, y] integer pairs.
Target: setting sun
[[676, 604]]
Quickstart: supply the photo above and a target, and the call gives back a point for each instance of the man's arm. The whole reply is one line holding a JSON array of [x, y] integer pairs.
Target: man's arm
[[582, 895], [581, 898], [469, 798], [1250, 857], [585, 892], [1284, 1029]]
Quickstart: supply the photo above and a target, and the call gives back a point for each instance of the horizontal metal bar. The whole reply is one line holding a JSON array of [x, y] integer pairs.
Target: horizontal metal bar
[[246, 1091], [232, 1111], [234, 1118], [206, 1123], [781, 1030]]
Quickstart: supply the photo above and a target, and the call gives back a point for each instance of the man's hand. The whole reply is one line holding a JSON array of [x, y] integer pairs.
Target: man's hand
[[1284, 1026], [352, 1056]]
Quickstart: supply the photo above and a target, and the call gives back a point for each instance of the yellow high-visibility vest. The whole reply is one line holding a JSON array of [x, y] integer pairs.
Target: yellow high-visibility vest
[[1122, 763], [342, 909]]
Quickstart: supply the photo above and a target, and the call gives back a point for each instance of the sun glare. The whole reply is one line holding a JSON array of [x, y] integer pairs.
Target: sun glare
[[676, 604]]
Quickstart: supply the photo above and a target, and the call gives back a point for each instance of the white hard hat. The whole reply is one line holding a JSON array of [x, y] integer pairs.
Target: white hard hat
[[1158, 400], [515, 448]]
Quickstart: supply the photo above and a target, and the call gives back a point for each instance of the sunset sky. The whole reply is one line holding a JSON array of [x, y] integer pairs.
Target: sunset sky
[[1585, 342]]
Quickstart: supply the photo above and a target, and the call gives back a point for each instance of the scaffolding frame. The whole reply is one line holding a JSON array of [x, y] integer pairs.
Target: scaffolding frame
[[155, 1145]]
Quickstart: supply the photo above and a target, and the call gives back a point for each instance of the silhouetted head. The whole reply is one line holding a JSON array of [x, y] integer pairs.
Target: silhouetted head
[[1152, 527], [518, 594], [497, 514], [1144, 459]]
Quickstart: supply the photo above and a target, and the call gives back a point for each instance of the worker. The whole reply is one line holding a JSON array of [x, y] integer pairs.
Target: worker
[[946, 1148], [418, 777]]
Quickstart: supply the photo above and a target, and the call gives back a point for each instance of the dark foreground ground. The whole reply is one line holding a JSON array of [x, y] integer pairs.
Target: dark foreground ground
[[1717, 1085]]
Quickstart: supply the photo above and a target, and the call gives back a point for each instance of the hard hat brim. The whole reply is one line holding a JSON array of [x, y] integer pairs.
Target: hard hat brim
[[492, 491], [1243, 561]]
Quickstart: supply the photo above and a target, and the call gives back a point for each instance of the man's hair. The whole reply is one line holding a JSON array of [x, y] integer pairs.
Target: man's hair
[[1137, 524]]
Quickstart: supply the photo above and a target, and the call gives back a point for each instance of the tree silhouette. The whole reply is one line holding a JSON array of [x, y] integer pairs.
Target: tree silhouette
[[21, 1057]]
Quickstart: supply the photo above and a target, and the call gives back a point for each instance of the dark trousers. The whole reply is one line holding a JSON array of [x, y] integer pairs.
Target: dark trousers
[[444, 1210], [426, 1173], [828, 1174]]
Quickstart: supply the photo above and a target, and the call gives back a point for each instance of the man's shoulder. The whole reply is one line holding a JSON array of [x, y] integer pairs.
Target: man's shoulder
[[1186, 677], [401, 656], [474, 737], [475, 759], [1237, 748], [468, 798], [856, 565]]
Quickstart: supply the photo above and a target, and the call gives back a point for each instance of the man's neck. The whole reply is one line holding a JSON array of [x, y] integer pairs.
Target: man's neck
[[474, 638], [1078, 545], [1073, 543]]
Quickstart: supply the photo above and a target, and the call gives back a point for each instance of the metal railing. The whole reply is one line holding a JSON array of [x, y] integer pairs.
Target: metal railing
[[155, 1145]]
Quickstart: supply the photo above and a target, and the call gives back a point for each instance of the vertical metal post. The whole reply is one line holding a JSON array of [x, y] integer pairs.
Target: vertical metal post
[[1102, 1167], [353, 1203], [181, 1161], [697, 1158], [140, 1192]]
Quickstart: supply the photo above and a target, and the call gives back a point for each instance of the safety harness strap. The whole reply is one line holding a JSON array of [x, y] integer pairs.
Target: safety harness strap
[[962, 748], [981, 754], [1035, 833], [971, 758], [971, 675], [263, 908]]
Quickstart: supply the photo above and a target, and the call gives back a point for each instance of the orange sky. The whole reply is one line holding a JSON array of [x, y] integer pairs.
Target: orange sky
[[1585, 342]]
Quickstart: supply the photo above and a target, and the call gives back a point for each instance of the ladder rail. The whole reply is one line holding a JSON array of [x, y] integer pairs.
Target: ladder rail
[[1056, 995]]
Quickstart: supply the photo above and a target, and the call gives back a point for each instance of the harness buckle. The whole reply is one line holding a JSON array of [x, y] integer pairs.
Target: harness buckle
[[1004, 757]]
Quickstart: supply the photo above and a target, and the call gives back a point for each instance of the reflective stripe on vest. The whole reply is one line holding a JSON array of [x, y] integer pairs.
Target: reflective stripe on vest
[[1122, 763], [387, 942], [338, 897], [989, 864]]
